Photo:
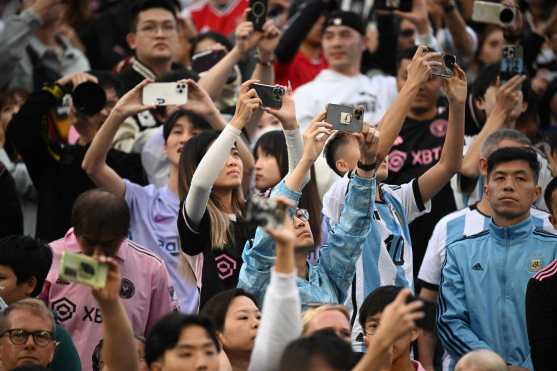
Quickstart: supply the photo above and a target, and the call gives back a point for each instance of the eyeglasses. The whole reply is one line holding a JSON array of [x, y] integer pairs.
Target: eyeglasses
[[152, 29], [302, 214], [19, 336]]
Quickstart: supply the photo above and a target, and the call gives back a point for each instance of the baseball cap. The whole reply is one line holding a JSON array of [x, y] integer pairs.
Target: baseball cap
[[344, 18]]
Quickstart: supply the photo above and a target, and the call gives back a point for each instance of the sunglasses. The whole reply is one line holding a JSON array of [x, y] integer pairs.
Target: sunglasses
[[407, 32]]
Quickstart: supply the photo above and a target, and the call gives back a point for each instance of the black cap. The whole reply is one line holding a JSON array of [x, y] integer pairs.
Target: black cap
[[343, 18]]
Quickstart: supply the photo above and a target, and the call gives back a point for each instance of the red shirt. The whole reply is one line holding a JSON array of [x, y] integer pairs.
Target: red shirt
[[299, 71], [206, 17]]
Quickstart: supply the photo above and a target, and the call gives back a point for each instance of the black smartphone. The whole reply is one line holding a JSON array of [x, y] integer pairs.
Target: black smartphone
[[258, 13], [345, 118], [429, 321], [204, 61], [512, 62], [446, 69], [390, 5], [270, 95]]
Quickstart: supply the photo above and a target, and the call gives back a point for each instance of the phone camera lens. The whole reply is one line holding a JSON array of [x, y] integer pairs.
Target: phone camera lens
[[506, 15]]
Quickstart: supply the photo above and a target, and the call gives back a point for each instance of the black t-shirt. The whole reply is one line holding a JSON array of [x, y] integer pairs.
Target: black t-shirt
[[11, 219], [221, 266], [416, 150]]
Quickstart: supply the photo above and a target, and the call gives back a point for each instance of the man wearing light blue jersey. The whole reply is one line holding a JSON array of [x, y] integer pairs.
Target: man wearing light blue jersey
[[387, 257], [484, 278], [466, 222]]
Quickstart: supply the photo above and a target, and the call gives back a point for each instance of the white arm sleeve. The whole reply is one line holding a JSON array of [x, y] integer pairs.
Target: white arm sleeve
[[280, 324], [295, 148], [207, 172]]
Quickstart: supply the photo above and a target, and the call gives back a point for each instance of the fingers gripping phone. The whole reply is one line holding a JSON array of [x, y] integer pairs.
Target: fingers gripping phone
[[270, 95], [258, 14], [446, 69], [345, 118], [165, 94], [83, 269]]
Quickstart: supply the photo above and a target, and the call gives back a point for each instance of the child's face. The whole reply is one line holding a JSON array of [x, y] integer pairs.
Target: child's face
[[401, 347], [348, 155]]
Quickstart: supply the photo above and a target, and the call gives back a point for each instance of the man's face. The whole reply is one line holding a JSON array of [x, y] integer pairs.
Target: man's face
[[28, 353], [401, 347], [342, 47], [181, 132], [333, 320], [10, 290], [194, 351], [99, 244], [511, 189], [156, 36], [427, 95], [302, 228], [407, 35]]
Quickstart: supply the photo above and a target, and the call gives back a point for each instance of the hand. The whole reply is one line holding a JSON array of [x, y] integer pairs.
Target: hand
[[456, 87], [419, 69], [247, 104], [284, 235], [508, 98], [199, 101], [398, 318], [245, 35], [131, 103], [269, 41], [44, 9], [287, 112], [418, 16], [76, 79], [2, 136], [111, 292], [369, 144], [315, 137]]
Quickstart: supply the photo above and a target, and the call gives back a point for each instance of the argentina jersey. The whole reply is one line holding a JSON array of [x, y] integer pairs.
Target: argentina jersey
[[465, 222], [386, 258]]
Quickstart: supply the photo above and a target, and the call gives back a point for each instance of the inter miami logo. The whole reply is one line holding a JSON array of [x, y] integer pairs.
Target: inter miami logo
[[63, 309], [128, 289], [225, 266]]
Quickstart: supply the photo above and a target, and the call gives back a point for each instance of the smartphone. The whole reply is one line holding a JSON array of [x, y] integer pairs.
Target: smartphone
[[429, 321], [165, 94], [390, 5], [265, 211], [83, 269], [270, 95], [258, 13], [512, 62], [494, 13], [204, 61], [345, 118], [446, 69]]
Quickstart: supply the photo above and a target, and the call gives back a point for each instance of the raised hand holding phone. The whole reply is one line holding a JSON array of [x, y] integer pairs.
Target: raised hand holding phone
[[131, 103], [316, 136], [287, 111], [246, 106]]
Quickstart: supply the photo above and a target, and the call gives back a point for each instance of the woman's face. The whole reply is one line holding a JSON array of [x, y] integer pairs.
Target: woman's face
[[267, 171], [492, 47], [231, 174], [240, 325]]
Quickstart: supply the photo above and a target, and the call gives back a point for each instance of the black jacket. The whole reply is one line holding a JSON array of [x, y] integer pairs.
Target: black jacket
[[11, 219], [56, 169]]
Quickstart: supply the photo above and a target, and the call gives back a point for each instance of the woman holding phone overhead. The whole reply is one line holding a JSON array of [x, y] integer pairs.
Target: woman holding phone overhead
[[210, 219]]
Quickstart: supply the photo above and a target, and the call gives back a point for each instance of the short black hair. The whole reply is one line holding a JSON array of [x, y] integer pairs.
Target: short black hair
[[324, 344], [376, 302], [508, 154], [98, 211], [548, 193], [216, 307], [28, 258], [197, 122], [274, 143], [332, 147], [166, 333], [407, 53], [108, 81], [215, 36], [144, 5]]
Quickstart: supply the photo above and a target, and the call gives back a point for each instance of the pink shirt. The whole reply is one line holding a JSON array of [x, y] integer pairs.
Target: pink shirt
[[145, 294]]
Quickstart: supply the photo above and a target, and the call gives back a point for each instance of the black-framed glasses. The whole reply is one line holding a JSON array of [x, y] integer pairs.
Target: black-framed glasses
[[19, 336]]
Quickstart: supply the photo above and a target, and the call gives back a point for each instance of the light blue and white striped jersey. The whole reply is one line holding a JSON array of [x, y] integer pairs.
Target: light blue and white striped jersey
[[465, 222], [387, 254]]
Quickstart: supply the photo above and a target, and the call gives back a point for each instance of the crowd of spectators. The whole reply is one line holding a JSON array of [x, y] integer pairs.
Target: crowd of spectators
[[284, 240]]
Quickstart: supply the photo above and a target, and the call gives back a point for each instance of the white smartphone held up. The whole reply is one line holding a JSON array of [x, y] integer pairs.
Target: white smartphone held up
[[165, 94], [494, 13]]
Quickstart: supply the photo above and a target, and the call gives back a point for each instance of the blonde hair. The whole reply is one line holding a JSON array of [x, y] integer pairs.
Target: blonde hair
[[310, 314]]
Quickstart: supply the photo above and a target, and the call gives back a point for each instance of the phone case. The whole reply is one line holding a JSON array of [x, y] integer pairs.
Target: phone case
[[486, 12], [390, 5], [165, 94], [83, 270], [345, 118], [258, 13], [204, 61], [512, 62], [270, 95]]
